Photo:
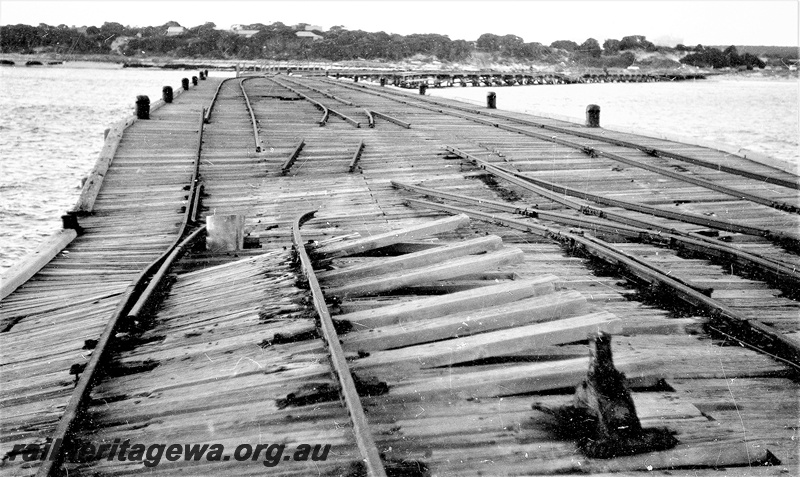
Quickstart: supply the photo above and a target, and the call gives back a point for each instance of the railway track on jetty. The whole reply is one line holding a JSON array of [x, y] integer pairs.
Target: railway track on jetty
[[415, 337]]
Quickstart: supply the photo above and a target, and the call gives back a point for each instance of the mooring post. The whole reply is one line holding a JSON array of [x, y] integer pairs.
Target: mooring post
[[383, 81], [70, 221], [166, 94], [355, 79], [194, 80], [491, 100], [593, 116], [422, 88], [206, 72], [143, 107], [202, 76], [185, 83]]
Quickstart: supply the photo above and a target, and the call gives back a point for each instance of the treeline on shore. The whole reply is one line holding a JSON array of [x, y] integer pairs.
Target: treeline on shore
[[281, 42]]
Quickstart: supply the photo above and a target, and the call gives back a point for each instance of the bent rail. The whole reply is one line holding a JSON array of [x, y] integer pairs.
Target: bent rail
[[721, 315], [366, 444]]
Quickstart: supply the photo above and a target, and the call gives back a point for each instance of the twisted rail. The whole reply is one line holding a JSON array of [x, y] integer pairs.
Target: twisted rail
[[366, 444]]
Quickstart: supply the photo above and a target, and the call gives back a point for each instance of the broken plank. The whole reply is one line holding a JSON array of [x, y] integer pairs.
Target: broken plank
[[448, 304], [442, 271], [531, 310], [392, 237], [492, 344], [411, 260]]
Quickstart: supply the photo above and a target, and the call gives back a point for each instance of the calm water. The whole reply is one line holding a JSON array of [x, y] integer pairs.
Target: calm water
[[52, 121], [759, 115], [51, 130]]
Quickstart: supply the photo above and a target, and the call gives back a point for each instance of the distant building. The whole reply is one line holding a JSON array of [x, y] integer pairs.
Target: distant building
[[313, 27], [175, 30], [246, 33], [308, 34], [240, 30]]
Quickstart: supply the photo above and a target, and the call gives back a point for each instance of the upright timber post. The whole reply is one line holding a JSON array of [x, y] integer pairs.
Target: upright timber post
[[593, 116], [194, 80], [142, 107], [185, 83], [491, 100], [166, 94], [422, 88], [383, 81], [602, 415]]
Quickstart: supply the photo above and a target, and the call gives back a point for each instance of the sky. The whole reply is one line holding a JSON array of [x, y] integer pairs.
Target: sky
[[720, 22]]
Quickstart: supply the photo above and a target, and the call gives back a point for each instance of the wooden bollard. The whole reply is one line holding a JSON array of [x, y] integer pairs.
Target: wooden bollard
[[383, 81], [206, 73], [355, 80], [70, 221], [194, 80], [422, 88], [166, 94], [593, 116], [143, 107], [491, 100], [202, 76], [185, 83]]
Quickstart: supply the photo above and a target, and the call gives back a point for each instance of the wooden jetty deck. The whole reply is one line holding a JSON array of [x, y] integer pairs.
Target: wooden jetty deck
[[428, 315]]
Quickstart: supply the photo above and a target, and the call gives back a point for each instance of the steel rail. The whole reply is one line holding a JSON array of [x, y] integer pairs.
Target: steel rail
[[593, 152], [370, 118], [556, 192], [777, 273], [343, 101], [252, 115], [366, 444], [137, 296], [292, 158], [785, 348], [328, 95], [391, 119], [356, 157], [327, 110], [791, 184], [214, 99], [632, 162], [135, 300]]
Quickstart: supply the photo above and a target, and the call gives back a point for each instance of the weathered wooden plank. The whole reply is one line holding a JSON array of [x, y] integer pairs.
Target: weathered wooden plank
[[531, 310], [410, 261], [381, 240], [448, 304], [23, 270], [441, 271], [491, 344], [518, 379]]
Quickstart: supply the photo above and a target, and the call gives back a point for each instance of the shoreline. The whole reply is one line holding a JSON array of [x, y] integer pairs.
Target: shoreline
[[168, 63]]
